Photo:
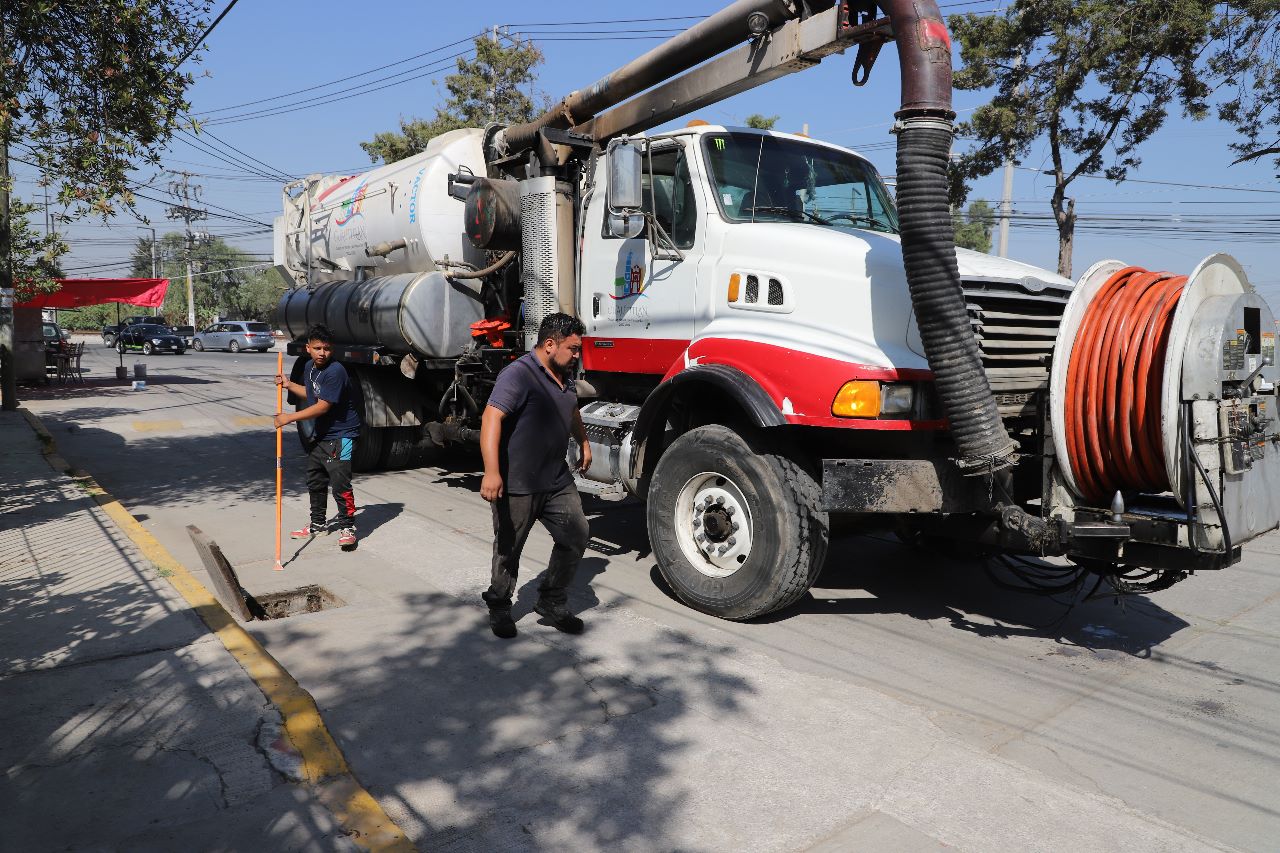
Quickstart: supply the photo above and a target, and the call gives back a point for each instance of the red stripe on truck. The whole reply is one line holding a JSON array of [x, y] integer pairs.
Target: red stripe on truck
[[803, 385], [632, 355]]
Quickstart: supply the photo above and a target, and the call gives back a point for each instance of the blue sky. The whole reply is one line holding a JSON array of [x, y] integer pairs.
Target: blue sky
[[263, 49]]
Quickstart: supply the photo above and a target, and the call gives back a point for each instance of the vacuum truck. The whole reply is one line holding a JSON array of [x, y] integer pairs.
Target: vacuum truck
[[776, 340]]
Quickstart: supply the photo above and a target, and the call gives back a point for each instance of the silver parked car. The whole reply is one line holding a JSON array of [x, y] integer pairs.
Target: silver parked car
[[235, 335]]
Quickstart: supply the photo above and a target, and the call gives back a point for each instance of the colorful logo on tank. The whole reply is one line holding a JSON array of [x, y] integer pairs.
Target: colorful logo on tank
[[352, 208]]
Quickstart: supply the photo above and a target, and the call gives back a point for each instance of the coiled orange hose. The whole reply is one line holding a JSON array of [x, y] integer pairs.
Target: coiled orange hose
[[1112, 407]]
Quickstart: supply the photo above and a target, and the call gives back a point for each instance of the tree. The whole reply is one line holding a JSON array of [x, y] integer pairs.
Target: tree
[[1247, 63], [33, 254], [1093, 79], [484, 90], [761, 122], [89, 89], [228, 282], [973, 230]]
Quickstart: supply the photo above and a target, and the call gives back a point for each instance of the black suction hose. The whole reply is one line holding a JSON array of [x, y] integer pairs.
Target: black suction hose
[[925, 132]]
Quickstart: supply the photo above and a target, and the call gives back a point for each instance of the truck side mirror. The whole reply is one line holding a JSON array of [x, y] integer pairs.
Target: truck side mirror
[[623, 218]]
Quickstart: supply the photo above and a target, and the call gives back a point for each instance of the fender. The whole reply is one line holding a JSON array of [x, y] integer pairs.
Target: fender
[[738, 385]]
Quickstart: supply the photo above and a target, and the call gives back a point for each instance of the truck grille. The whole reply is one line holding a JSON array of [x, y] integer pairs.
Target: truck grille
[[1015, 327]]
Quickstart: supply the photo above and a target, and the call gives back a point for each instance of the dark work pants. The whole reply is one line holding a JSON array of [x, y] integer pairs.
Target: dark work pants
[[329, 465], [513, 517]]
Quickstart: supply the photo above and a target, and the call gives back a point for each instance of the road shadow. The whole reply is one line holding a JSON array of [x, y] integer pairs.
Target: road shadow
[[521, 745], [971, 594]]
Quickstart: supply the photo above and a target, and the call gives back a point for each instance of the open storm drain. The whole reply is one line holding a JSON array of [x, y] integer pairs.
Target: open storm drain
[[245, 607], [307, 599]]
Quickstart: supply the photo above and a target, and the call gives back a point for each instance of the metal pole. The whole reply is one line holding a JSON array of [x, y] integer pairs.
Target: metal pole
[[8, 369], [191, 302]]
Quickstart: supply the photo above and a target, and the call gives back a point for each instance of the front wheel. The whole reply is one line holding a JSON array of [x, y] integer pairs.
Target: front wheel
[[120, 347], [737, 533], [148, 348], [235, 346], [198, 345]]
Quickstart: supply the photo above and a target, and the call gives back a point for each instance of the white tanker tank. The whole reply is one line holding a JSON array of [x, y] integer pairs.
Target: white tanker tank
[[363, 251], [339, 227]]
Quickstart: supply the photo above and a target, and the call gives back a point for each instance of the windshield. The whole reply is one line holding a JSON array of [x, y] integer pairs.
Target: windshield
[[768, 179], [153, 330]]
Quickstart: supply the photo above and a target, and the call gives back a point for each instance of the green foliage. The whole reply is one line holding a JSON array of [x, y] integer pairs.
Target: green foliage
[[1093, 79], [973, 230], [1247, 64], [34, 254], [484, 90], [761, 122], [89, 89]]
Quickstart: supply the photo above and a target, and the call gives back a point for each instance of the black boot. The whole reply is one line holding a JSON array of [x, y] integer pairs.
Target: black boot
[[502, 624], [559, 616]]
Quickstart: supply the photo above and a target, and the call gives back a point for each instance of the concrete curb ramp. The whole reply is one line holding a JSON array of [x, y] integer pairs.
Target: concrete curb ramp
[[320, 763]]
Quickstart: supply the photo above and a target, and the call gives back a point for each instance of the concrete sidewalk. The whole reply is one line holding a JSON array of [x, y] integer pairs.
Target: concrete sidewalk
[[127, 724]]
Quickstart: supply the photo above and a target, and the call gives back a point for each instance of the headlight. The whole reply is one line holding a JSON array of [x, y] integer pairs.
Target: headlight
[[897, 399], [156, 341], [867, 398]]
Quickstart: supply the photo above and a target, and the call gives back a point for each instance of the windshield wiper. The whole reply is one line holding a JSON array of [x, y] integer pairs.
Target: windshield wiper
[[803, 214]]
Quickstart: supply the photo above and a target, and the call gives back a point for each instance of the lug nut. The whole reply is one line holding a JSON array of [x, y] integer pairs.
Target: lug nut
[[700, 538], [697, 522], [734, 527], [723, 550], [732, 541], [720, 500], [731, 510]]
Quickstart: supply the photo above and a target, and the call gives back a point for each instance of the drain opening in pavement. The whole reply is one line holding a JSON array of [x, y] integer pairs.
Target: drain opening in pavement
[[306, 599]]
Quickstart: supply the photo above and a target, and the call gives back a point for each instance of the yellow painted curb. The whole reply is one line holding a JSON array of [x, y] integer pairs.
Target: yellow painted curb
[[324, 767]]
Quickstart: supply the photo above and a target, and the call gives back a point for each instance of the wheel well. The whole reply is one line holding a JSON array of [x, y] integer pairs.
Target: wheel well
[[691, 404]]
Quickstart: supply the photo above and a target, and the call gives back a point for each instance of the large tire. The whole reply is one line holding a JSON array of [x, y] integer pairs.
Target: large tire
[[765, 563], [234, 346], [369, 449]]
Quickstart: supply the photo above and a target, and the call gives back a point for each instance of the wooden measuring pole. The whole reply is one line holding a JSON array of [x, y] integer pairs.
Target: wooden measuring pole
[[279, 459]]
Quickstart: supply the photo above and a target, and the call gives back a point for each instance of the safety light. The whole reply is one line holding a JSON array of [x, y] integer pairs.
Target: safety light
[[857, 399], [734, 281], [866, 398]]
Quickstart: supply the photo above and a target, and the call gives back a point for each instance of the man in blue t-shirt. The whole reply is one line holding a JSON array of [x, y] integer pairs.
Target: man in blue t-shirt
[[331, 403]]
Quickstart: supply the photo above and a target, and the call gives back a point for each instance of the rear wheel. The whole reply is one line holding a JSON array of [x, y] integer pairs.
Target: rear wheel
[[148, 348], [198, 345], [234, 346], [120, 347], [737, 532]]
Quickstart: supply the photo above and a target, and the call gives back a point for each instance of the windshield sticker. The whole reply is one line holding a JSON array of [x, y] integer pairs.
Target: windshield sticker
[[629, 281]]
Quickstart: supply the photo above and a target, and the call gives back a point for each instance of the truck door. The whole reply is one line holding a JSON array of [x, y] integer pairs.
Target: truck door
[[638, 308]]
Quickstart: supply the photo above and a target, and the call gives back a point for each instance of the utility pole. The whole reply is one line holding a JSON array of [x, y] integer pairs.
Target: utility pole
[[8, 369], [188, 193], [1006, 208], [493, 87]]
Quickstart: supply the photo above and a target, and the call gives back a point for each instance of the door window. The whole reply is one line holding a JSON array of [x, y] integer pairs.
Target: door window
[[668, 195]]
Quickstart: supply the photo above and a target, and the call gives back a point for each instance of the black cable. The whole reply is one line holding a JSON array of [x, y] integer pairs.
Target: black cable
[[205, 35]]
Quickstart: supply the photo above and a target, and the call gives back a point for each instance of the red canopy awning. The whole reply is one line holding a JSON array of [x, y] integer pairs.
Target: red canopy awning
[[78, 292]]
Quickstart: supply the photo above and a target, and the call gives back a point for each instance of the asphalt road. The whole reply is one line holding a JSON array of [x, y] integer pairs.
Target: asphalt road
[[1165, 706]]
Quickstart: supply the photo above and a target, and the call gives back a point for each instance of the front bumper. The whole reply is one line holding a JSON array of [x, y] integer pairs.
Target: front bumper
[[899, 486]]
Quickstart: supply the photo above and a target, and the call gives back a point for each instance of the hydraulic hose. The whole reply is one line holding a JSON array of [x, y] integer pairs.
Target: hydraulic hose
[[1114, 379], [928, 239]]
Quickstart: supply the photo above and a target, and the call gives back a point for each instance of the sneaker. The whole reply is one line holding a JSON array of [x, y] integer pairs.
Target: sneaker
[[347, 537], [560, 617], [502, 624], [308, 531]]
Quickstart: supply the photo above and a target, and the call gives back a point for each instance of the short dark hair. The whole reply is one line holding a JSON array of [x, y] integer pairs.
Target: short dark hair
[[320, 332], [559, 326]]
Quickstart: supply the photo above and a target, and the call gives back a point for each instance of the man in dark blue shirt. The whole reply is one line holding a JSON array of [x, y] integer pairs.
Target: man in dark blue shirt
[[331, 402], [524, 433]]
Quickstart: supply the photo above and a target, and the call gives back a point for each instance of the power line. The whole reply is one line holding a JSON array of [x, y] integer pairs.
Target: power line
[[324, 100], [198, 41], [1159, 183], [346, 79]]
